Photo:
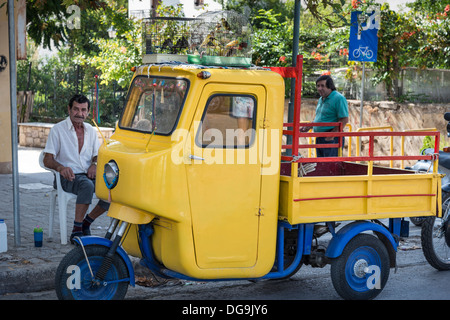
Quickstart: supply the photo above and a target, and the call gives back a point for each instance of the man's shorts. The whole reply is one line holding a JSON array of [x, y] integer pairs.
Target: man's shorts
[[84, 188]]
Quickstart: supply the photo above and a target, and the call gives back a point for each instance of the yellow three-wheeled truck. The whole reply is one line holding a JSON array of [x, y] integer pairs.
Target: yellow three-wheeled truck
[[200, 189]]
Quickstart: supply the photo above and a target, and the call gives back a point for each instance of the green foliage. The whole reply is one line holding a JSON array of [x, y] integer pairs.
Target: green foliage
[[115, 57], [331, 13], [110, 59], [414, 39], [320, 46], [281, 10], [272, 41], [391, 47], [45, 25], [433, 31], [47, 19], [428, 142]]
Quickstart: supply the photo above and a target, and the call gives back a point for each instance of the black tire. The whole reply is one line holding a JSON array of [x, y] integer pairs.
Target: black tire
[[349, 279], [418, 221], [434, 245], [88, 290], [435, 237]]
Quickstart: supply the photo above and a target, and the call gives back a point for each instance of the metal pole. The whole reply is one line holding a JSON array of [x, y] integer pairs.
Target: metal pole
[[13, 94], [362, 95], [295, 42]]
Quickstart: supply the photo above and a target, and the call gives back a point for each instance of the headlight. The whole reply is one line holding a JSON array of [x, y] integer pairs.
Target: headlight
[[111, 174]]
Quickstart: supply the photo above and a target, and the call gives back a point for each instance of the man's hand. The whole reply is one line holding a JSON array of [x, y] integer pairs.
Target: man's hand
[[92, 171], [66, 172], [305, 129], [344, 121]]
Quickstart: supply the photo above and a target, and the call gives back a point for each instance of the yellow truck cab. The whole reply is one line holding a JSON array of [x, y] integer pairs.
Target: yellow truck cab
[[209, 186]]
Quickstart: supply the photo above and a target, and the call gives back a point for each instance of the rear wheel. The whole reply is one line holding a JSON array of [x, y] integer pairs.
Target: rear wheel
[[436, 242], [418, 221], [362, 270], [436, 237], [74, 265]]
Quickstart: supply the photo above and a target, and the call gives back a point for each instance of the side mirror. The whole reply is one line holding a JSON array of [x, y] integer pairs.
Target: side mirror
[[447, 118]]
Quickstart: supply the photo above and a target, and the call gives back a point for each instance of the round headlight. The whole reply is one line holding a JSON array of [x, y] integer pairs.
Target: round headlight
[[111, 174]]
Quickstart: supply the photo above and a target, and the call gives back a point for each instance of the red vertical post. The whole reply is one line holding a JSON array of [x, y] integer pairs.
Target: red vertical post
[[297, 104], [371, 146], [437, 142]]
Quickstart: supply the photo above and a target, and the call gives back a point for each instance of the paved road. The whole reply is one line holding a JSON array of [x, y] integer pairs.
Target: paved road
[[415, 279]]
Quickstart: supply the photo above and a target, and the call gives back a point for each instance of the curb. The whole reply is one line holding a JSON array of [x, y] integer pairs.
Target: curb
[[26, 280], [42, 278]]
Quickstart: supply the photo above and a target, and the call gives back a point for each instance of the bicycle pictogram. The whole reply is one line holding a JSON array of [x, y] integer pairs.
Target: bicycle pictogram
[[365, 51]]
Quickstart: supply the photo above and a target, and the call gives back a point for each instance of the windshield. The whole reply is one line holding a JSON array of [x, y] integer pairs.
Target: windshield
[[154, 104]]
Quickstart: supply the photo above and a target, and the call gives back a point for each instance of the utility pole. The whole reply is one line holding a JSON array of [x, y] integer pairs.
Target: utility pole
[[14, 142]]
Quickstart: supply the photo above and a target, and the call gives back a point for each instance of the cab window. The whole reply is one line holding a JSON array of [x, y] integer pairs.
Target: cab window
[[154, 104], [228, 122]]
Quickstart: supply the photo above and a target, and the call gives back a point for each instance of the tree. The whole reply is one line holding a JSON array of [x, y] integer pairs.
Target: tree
[[273, 40], [433, 28], [419, 38], [395, 44], [281, 10], [47, 19], [112, 58], [116, 56]]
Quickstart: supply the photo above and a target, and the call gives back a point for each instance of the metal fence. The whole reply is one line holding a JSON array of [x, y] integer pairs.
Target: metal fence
[[413, 85], [51, 105]]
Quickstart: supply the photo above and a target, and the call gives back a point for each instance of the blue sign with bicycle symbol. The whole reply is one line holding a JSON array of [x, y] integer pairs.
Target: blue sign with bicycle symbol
[[363, 36]]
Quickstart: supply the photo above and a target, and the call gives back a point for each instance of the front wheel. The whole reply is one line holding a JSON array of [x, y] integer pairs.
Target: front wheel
[[362, 270], [73, 280]]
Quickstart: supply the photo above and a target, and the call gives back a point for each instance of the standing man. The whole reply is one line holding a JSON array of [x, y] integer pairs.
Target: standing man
[[71, 149], [332, 107]]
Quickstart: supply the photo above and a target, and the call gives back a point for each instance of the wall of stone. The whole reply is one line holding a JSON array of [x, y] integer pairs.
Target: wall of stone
[[34, 134], [398, 116]]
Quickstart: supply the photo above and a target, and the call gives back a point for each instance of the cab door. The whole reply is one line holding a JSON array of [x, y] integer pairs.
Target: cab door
[[224, 175]]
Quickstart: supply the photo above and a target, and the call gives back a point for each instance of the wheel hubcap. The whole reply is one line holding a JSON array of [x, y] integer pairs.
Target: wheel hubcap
[[359, 268]]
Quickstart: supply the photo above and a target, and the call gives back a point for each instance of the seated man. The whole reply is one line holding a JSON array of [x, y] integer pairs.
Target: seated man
[[71, 149]]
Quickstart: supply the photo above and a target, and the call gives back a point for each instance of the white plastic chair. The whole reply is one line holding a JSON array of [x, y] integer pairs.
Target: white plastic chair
[[63, 200]]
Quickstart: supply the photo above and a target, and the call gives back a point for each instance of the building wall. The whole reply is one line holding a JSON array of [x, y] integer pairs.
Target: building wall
[[5, 107], [5, 99]]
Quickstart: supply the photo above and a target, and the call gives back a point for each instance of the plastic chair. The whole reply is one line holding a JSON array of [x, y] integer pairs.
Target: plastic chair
[[63, 200]]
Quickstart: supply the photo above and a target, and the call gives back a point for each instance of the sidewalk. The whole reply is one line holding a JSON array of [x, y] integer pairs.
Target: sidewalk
[[26, 268]]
